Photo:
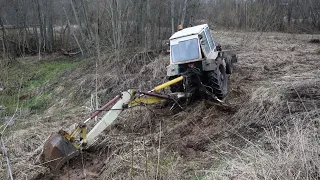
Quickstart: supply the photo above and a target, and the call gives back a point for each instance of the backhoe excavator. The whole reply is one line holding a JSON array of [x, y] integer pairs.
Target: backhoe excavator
[[198, 70]]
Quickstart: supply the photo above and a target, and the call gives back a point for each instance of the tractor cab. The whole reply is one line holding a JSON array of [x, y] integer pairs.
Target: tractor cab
[[192, 44], [194, 53]]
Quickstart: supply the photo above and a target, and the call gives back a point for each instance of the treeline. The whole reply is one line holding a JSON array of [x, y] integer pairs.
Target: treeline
[[80, 27], [266, 15]]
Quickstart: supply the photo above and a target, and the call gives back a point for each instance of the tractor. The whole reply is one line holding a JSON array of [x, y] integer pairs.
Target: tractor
[[194, 53], [198, 69]]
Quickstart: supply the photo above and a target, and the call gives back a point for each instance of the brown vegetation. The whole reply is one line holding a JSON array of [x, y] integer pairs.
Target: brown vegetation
[[273, 132]]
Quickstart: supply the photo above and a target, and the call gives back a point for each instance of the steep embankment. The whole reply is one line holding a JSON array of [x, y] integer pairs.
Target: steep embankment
[[270, 132]]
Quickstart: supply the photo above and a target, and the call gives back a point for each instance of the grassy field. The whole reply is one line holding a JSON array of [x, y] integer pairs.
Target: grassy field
[[29, 86], [270, 131]]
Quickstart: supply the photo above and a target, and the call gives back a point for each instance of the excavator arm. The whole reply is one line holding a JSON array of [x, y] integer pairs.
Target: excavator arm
[[63, 146], [127, 99]]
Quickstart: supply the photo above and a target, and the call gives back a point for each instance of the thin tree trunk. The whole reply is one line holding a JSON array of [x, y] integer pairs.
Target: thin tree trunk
[[4, 46], [172, 17], [77, 19], [41, 29], [290, 13], [45, 24], [184, 11], [148, 34], [159, 26], [50, 39], [85, 17], [71, 29]]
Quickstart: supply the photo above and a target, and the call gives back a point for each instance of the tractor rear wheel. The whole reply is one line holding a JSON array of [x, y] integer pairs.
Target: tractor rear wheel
[[218, 82]]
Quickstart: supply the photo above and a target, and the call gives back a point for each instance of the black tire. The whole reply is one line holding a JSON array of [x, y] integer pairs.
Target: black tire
[[229, 65], [178, 87], [218, 82]]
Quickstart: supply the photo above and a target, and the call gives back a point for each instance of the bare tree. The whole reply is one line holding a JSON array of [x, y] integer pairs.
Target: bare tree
[[46, 26], [71, 28], [172, 17], [184, 11]]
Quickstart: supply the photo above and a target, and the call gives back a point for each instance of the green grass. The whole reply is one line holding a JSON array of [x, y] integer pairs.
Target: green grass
[[32, 85], [48, 71]]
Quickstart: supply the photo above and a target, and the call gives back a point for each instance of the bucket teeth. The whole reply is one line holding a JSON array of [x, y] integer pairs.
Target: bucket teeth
[[57, 150]]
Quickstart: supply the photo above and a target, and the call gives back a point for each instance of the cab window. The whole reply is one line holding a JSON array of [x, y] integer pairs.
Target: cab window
[[185, 50], [210, 39], [204, 43]]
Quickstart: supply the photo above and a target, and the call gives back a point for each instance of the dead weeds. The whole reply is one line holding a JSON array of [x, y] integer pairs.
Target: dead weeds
[[271, 132]]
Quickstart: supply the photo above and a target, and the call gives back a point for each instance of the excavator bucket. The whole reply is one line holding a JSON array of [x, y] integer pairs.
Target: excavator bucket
[[57, 150]]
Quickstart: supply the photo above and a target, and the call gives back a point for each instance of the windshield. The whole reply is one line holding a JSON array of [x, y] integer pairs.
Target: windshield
[[185, 50]]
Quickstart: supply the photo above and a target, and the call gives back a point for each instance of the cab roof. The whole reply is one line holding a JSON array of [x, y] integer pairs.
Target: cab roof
[[189, 31]]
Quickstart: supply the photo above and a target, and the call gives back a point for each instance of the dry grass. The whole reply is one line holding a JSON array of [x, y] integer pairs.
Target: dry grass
[[270, 133], [289, 147], [24, 142]]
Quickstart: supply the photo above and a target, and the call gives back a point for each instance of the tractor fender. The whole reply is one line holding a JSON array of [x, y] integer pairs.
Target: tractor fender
[[212, 64], [230, 54]]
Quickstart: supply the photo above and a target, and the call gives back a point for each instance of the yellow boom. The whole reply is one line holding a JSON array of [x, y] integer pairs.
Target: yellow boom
[[169, 83]]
